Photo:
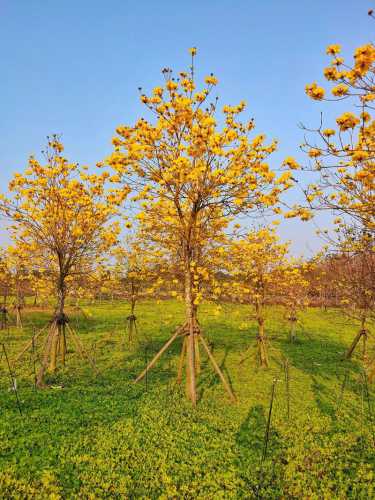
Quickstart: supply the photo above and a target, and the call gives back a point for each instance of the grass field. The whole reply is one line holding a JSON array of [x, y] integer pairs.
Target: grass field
[[105, 437]]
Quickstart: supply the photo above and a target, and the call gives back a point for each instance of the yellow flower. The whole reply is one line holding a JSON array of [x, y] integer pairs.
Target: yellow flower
[[211, 80], [333, 49], [171, 85], [284, 177], [291, 163], [314, 91], [314, 152], [368, 97], [347, 120], [340, 90], [358, 156], [331, 73], [364, 57], [193, 51], [158, 91]]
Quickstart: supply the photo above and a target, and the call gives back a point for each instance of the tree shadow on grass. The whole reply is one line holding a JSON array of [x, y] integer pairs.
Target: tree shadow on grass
[[250, 435], [322, 360]]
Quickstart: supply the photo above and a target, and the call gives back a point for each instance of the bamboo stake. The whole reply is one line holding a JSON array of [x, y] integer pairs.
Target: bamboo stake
[[181, 362], [81, 349], [159, 353], [47, 350], [54, 348], [218, 371], [357, 338], [243, 356], [29, 344], [197, 355], [33, 354], [364, 350]]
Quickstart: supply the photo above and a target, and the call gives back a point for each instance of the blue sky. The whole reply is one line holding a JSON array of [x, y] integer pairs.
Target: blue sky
[[73, 67]]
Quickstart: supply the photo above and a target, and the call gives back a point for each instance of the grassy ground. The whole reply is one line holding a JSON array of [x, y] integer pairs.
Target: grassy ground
[[104, 437]]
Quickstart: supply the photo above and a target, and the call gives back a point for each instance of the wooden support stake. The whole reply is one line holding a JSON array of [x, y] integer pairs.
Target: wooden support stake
[[81, 349], [159, 353], [29, 344], [33, 354], [218, 371], [181, 362], [46, 355], [357, 338]]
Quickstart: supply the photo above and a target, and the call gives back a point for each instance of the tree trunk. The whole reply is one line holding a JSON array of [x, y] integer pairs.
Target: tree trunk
[[18, 316], [190, 321], [59, 332], [19, 303], [131, 319], [364, 338], [54, 348], [292, 333]]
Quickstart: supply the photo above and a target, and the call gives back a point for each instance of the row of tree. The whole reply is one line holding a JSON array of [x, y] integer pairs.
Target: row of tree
[[190, 172]]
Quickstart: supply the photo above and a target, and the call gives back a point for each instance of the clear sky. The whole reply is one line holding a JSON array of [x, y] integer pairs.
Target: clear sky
[[73, 67]]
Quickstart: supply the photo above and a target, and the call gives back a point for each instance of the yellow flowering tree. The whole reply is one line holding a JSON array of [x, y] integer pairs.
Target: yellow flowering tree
[[62, 215], [159, 230], [183, 159], [343, 155], [258, 263], [132, 272], [294, 288], [19, 266]]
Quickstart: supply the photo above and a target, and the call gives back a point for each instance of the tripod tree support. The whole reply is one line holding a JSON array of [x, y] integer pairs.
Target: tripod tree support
[[190, 339], [131, 328], [55, 347]]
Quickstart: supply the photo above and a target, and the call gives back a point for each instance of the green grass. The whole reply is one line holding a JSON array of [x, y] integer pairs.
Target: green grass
[[105, 437]]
